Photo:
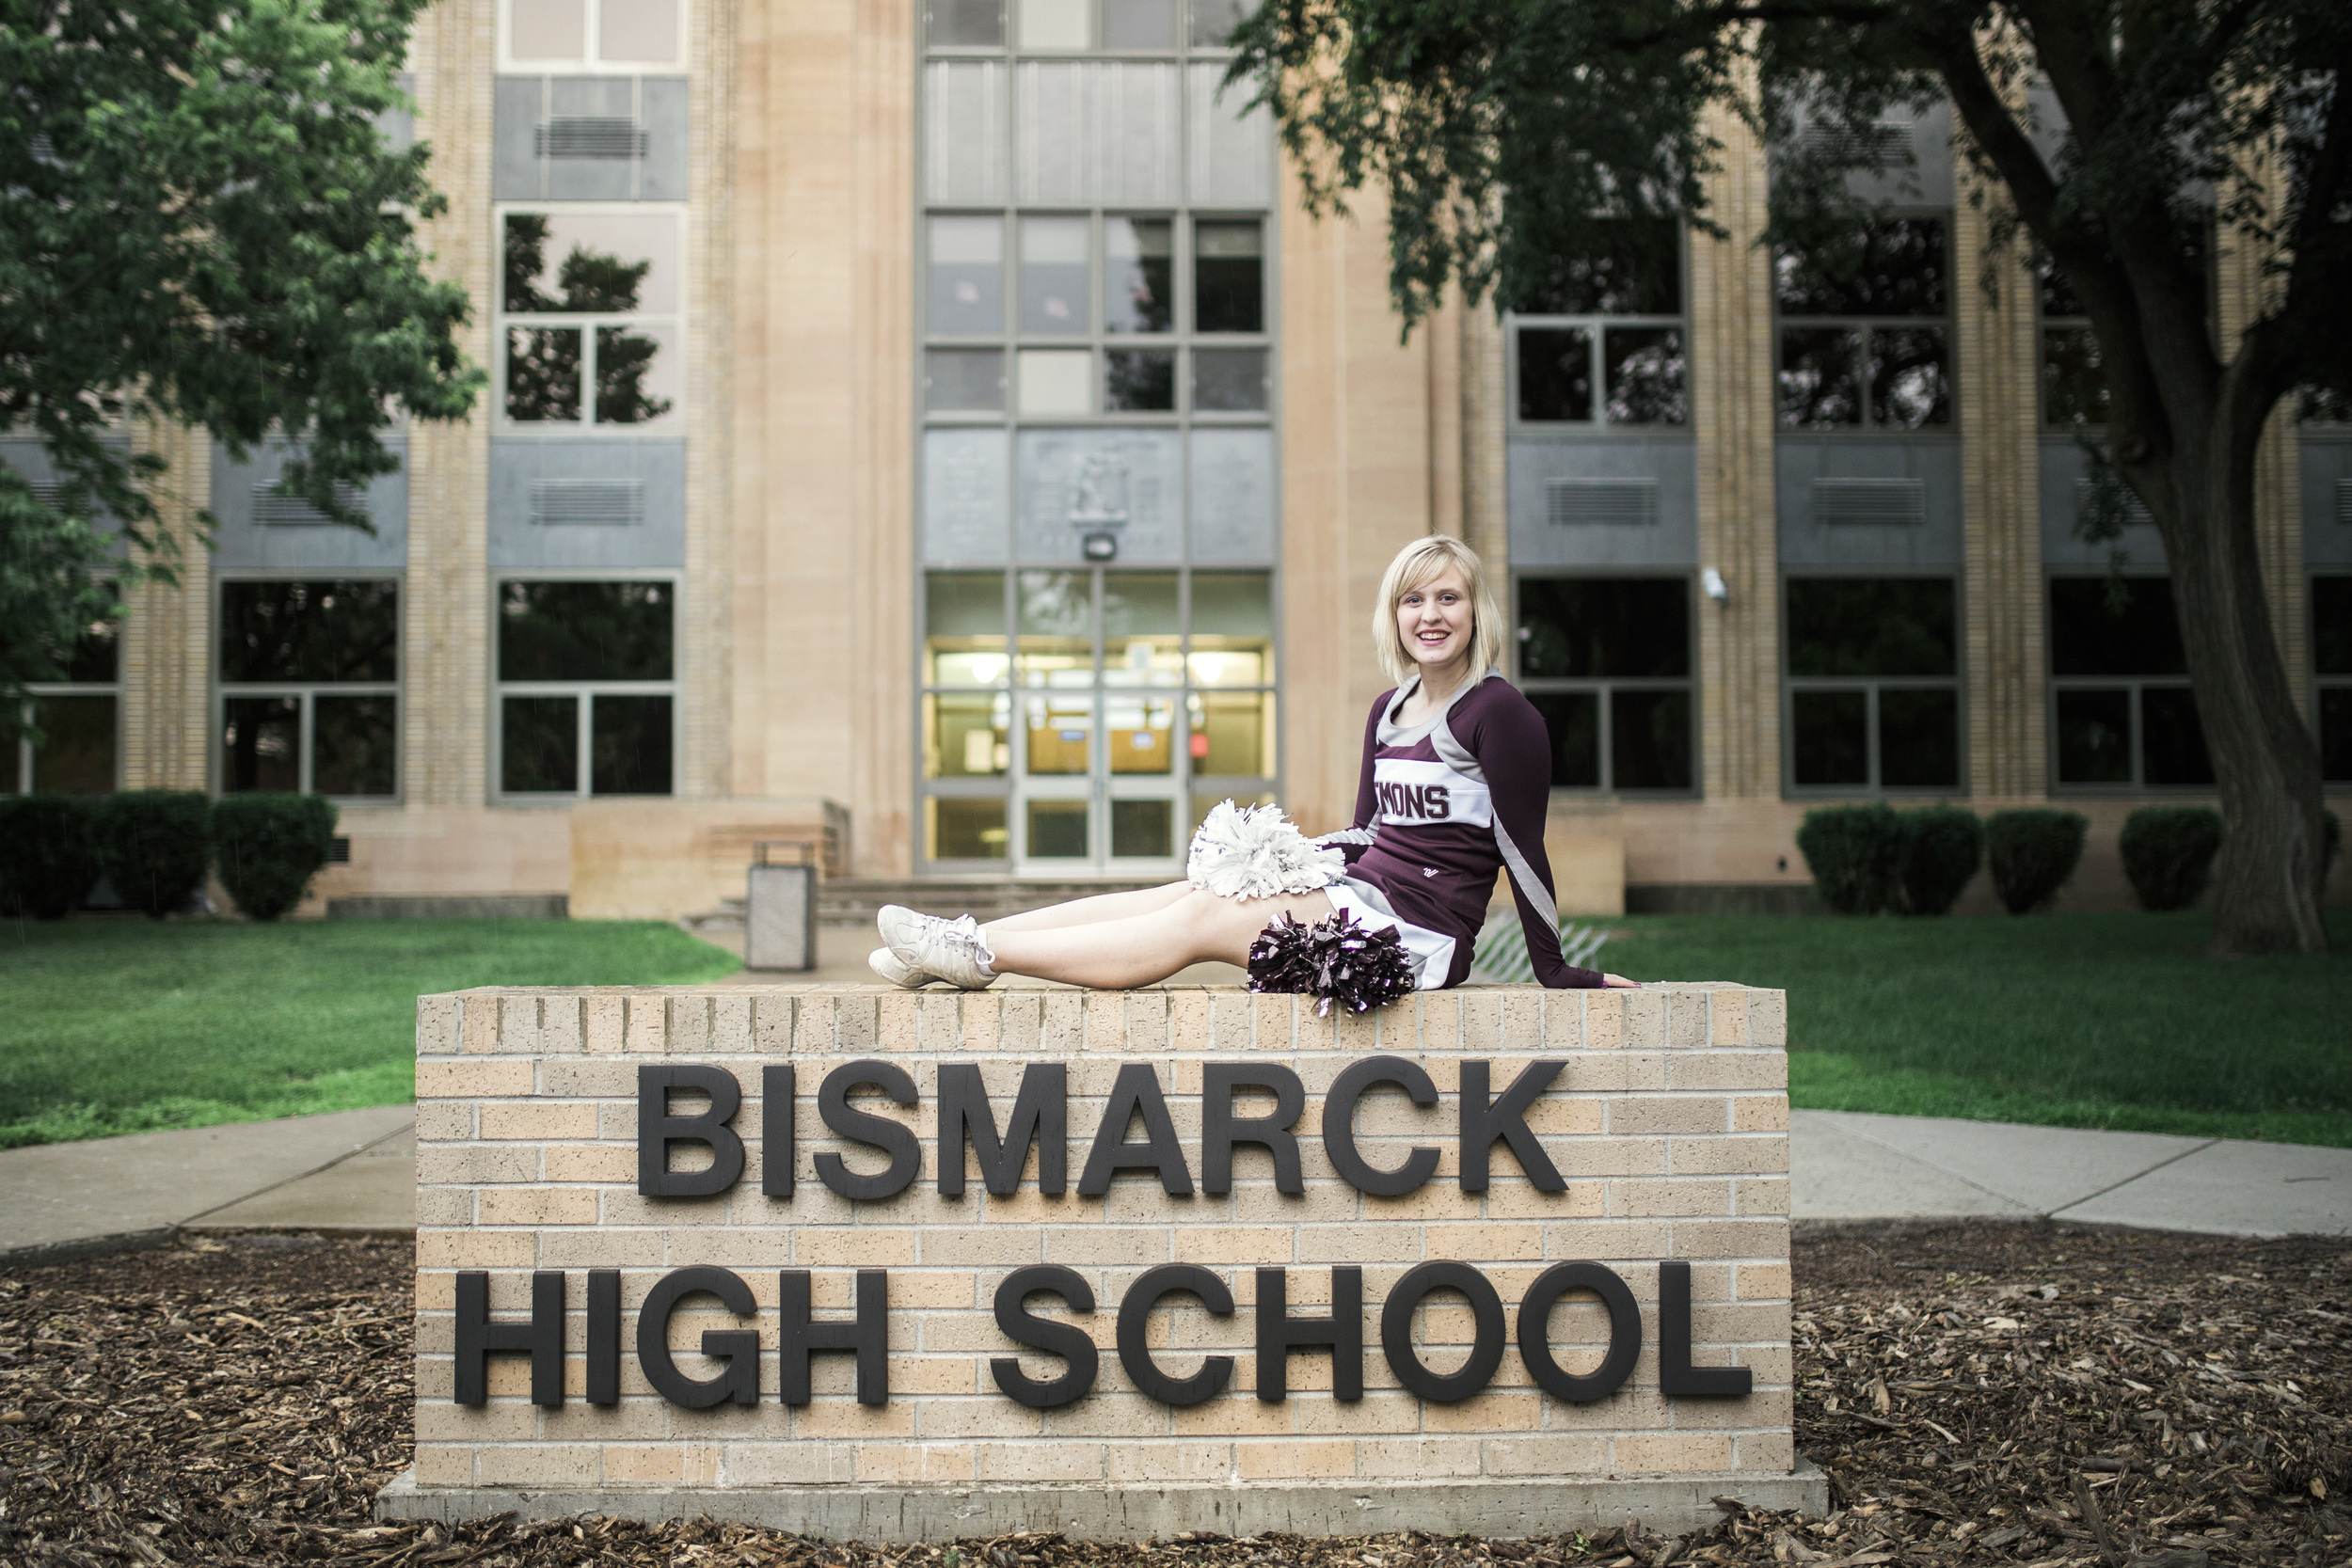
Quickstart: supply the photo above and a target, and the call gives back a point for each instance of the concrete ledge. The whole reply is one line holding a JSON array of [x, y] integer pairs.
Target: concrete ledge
[[41, 1254], [899, 1515], [451, 906]]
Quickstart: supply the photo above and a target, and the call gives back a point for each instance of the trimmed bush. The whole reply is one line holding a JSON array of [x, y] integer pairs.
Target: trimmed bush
[[1852, 852], [1941, 848], [151, 845], [2033, 853], [2168, 853], [46, 865], [267, 847]]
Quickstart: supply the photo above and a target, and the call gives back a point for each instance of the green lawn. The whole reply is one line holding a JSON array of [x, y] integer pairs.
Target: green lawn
[[2066, 1021], [112, 1026]]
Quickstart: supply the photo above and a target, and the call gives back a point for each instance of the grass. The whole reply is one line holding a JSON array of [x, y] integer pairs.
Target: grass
[[110, 1026], [2108, 1021]]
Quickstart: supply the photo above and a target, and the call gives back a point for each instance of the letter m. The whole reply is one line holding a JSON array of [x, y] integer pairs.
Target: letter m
[[1040, 1115]]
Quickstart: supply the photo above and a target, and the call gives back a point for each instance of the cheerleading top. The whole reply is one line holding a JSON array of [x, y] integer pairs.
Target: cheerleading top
[[1443, 805]]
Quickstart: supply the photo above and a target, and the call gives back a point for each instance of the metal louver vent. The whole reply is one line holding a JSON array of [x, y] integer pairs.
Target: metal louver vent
[[1882, 144], [272, 510], [1899, 502], [590, 137], [1618, 503], [2343, 500], [588, 500], [2137, 509]]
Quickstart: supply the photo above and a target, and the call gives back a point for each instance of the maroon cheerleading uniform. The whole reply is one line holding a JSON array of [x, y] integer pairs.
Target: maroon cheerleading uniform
[[1442, 806]]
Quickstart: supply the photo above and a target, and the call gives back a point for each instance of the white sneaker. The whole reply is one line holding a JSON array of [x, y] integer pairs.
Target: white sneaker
[[951, 950], [883, 962]]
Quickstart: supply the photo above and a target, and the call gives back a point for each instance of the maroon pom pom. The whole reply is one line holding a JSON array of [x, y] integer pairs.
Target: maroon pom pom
[[1335, 959]]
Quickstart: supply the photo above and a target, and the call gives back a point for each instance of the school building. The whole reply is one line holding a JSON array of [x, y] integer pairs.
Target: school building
[[935, 427]]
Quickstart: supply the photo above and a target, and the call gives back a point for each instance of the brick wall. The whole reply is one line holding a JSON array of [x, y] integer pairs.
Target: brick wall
[[1668, 1124]]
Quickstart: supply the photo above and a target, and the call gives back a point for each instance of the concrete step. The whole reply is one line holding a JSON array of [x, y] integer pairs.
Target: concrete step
[[853, 900]]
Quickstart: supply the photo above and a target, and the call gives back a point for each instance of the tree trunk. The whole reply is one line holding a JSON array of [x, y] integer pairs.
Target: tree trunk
[[2263, 759]]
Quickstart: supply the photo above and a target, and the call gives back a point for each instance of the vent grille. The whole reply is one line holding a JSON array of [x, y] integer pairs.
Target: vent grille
[[272, 510], [1882, 144], [2343, 500], [338, 852], [1614, 503], [588, 500], [590, 137], [1881, 502], [2136, 511]]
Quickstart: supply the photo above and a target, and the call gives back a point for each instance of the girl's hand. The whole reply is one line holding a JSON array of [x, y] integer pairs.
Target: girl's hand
[[1618, 982]]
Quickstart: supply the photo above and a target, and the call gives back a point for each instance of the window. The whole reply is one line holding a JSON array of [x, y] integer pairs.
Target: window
[[1607, 662], [586, 688], [2073, 386], [2331, 663], [1601, 341], [1070, 24], [1119, 700], [1863, 340], [78, 718], [1873, 687], [621, 33], [2121, 710], [589, 306], [310, 684]]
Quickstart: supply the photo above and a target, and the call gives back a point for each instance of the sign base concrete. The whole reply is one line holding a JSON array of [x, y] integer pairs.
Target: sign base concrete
[[903, 1514]]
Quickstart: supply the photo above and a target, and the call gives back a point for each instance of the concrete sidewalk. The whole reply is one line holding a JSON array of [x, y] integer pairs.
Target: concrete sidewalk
[[354, 1170]]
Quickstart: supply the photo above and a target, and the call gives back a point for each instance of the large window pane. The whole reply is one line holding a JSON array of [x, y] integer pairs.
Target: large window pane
[[1229, 381], [357, 745], [1643, 368], [2074, 383], [97, 654], [332, 630], [1228, 277], [1831, 741], [260, 744], [1649, 739], [1919, 740], [2172, 738], [1872, 627], [1139, 732], [1820, 378], [1139, 275], [584, 631], [1060, 733], [2335, 734], [1213, 21], [964, 615], [1057, 628], [1585, 628], [1142, 629], [590, 263], [543, 374], [1233, 734], [2094, 738], [1555, 374], [1052, 275], [548, 30], [967, 23], [1634, 269], [1894, 267], [1573, 720], [1910, 382], [1139, 24], [2331, 626], [967, 282], [966, 830], [1139, 381], [1054, 381], [1057, 829], [539, 745], [1143, 828], [1233, 629], [76, 754], [966, 735], [964, 380], [637, 31], [2104, 627], [636, 375], [630, 745]]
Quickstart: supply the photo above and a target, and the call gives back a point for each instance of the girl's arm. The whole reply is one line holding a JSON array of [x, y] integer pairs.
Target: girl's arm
[[1354, 840], [1513, 751]]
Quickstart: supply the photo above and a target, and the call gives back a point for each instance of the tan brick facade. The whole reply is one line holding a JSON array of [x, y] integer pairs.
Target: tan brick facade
[[1668, 1125]]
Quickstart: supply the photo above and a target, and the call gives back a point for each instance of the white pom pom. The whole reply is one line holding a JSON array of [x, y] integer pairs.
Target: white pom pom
[[1255, 852]]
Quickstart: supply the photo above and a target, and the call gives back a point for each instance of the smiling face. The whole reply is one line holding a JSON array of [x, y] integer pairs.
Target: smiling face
[[1435, 621]]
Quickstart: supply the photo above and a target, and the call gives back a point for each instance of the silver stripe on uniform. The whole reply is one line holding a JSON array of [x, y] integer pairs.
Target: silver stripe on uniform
[[1525, 874]]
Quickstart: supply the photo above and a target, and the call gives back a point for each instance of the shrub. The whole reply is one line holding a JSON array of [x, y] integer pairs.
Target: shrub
[[268, 847], [151, 845], [1852, 852], [1942, 848], [45, 861], [2031, 854], [2168, 853]]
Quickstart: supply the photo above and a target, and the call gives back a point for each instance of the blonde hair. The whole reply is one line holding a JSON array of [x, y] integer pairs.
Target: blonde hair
[[1415, 564]]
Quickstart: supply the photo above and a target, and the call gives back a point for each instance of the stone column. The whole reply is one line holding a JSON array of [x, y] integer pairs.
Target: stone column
[[168, 639], [705, 661], [1486, 403]]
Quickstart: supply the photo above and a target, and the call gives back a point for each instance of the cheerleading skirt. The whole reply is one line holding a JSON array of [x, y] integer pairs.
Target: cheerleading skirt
[[1432, 951]]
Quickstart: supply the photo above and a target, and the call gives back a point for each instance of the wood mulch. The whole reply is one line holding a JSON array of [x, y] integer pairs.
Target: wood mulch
[[1979, 1394]]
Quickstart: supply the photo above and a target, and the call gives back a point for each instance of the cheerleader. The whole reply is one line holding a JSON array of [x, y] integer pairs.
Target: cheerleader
[[1457, 776]]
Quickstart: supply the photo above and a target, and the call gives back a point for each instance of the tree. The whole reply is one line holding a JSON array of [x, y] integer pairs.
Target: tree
[[1511, 135], [201, 221]]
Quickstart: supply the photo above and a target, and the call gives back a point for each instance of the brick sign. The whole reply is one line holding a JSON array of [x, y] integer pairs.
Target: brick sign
[[899, 1265]]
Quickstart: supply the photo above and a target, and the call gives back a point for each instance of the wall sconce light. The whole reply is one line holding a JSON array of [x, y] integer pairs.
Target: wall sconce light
[[1100, 546], [1711, 584]]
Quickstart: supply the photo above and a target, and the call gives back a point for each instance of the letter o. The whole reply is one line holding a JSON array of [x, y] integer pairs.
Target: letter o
[[1625, 1331], [1396, 1332]]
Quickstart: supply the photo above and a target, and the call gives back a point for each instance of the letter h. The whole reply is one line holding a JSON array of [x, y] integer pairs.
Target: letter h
[[800, 1337], [1342, 1333], [478, 1339]]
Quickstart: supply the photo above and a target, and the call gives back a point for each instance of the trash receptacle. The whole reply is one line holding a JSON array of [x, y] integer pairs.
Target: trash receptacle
[[780, 905]]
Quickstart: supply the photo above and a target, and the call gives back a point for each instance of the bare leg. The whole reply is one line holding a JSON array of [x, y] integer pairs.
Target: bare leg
[[1085, 911], [1140, 949]]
